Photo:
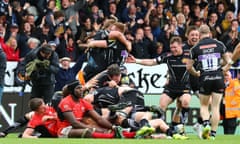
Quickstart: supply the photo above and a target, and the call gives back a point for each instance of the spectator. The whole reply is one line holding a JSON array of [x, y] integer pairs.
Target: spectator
[[67, 47], [113, 11], [221, 12], [86, 31], [3, 65], [160, 15], [13, 31], [43, 33], [226, 22], [25, 34], [49, 17], [171, 29], [70, 11], [150, 39], [59, 23], [200, 10], [151, 11], [181, 21], [32, 43], [231, 38], [159, 50], [213, 25], [155, 28], [231, 104], [132, 17], [41, 8], [4, 5], [67, 74], [186, 12], [17, 13], [53, 45], [141, 49], [96, 14], [11, 49], [41, 66], [30, 18], [198, 22]]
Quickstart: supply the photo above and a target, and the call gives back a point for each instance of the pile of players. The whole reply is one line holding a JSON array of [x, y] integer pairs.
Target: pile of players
[[105, 107]]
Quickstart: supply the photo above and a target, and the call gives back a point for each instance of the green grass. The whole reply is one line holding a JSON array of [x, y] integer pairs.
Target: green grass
[[221, 139]]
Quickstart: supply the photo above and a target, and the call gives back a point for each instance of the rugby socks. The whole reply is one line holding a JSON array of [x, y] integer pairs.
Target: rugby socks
[[200, 120], [126, 123], [206, 122], [103, 135], [143, 122], [175, 129], [169, 132], [184, 115], [213, 133]]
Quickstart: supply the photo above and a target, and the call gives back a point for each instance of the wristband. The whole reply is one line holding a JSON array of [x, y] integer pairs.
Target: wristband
[[138, 61]]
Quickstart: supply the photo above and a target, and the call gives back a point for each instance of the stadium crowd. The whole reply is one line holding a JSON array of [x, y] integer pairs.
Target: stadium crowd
[[44, 36]]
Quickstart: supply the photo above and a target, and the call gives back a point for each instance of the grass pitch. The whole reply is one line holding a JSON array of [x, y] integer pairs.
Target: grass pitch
[[220, 139]]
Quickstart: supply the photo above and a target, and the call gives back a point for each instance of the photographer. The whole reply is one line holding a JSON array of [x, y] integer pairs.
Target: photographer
[[41, 66]]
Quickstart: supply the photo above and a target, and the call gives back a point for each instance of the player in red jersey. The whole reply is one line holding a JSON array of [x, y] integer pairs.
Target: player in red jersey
[[44, 119], [73, 108]]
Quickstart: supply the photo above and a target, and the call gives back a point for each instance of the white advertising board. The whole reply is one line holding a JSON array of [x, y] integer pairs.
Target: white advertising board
[[149, 79]]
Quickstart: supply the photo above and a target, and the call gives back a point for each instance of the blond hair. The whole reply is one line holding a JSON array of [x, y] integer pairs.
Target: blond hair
[[9, 41]]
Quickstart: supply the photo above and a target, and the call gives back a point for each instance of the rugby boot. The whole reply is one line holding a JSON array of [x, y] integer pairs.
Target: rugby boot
[[144, 131], [198, 129], [180, 137], [205, 132]]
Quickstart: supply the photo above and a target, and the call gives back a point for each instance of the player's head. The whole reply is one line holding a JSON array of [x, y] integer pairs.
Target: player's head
[[114, 72], [204, 31], [37, 105], [176, 45], [75, 89], [108, 23], [118, 26], [192, 34]]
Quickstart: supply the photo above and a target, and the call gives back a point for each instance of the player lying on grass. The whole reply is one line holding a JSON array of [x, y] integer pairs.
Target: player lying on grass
[[44, 118], [135, 116]]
